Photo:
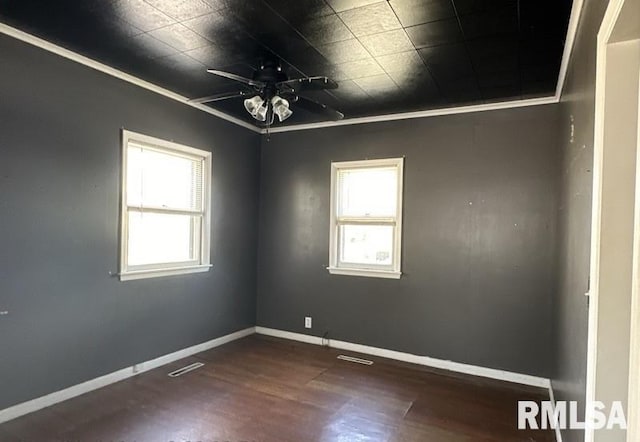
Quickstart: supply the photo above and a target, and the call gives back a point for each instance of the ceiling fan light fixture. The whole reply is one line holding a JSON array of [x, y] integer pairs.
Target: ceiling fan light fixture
[[261, 112], [281, 108], [254, 106]]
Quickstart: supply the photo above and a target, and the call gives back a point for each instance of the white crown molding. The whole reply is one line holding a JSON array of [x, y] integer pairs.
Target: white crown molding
[[418, 114], [76, 390], [566, 56], [572, 30], [457, 367], [86, 61]]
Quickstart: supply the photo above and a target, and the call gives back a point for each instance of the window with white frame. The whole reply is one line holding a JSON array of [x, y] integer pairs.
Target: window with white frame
[[165, 214], [366, 218]]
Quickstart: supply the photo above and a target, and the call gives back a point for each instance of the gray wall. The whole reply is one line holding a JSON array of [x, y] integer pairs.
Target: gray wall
[[574, 226], [479, 251], [59, 166]]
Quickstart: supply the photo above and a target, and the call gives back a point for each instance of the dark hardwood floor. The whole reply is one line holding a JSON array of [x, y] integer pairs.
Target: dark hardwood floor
[[267, 389]]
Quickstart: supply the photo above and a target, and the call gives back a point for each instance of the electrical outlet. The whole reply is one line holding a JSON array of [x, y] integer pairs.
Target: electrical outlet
[[307, 322]]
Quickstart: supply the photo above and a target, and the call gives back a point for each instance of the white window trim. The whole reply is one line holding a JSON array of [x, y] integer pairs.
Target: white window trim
[[334, 267], [171, 269]]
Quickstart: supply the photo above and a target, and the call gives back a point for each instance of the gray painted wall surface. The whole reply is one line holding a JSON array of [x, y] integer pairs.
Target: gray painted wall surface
[[59, 189], [574, 226], [480, 205]]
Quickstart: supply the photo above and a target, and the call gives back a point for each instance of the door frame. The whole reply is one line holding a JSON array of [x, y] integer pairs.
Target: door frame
[[608, 25]]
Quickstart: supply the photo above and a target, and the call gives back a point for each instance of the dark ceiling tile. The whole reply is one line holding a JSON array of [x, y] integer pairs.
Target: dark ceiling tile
[[348, 90], [544, 17], [217, 23], [461, 91], [343, 5], [372, 19], [213, 56], [344, 51], [185, 63], [547, 74], [361, 68], [418, 82], [435, 33], [384, 43], [408, 61], [500, 93], [141, 14], [499, 79], [149, 46], [475, 6], [300, 10], [415, 12], [222, 28], [180, 37], [326, 29], [377, 85], [182, 9], [494, 54], [534, 52], [488, 23], [448, 63], [308, 60]]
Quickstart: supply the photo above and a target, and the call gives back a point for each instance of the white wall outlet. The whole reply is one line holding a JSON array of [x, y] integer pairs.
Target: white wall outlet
[[307, 322]]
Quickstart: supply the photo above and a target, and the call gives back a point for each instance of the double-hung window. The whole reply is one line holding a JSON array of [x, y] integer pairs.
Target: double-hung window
[[366, 218], [166, 210]]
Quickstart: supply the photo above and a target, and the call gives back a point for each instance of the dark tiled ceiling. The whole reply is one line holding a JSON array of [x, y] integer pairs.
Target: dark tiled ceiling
[[387, 56]]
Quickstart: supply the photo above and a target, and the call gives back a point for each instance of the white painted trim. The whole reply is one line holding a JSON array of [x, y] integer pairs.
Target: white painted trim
[[203, 263], [457, 367], [116, 376], [552, 399], [606, 28], [572, 29], [133, 275], [365, 272], [633, 408], [392, 271], [419, 114], [86, 61]]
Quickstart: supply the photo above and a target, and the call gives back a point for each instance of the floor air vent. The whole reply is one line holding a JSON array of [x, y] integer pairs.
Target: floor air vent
[[356, 360], [184, 370]]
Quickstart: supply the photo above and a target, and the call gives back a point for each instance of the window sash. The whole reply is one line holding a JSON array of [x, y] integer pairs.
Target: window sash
[[359, 265]]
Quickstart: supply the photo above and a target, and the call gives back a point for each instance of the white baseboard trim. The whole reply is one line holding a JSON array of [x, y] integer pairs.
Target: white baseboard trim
[[458, 367], [553, 403], [76, 390]]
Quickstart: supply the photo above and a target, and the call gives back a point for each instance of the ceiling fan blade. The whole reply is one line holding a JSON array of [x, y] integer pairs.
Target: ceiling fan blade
[[235, 77], [319, 108], [222, 96], [307, 84]]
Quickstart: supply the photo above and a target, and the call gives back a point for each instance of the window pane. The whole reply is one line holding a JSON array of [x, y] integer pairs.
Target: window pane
[[371, 245], [367, 192], [162, 238], [163, 180]]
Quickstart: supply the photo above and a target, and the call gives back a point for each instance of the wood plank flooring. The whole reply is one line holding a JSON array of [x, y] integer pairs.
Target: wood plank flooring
[[266, 389]]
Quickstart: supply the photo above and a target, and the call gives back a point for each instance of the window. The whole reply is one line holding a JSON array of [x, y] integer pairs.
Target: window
[[165, 215], [366, 218]]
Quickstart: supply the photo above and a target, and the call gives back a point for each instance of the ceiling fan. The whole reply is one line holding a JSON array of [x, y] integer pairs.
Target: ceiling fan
[[270, 92]]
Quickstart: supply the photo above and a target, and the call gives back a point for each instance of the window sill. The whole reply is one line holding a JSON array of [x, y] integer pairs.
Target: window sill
[[389, 274], [157, 273]]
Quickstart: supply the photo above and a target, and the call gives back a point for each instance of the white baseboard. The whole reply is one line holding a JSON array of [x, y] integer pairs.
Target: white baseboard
[[102, 381], [458, 367]]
